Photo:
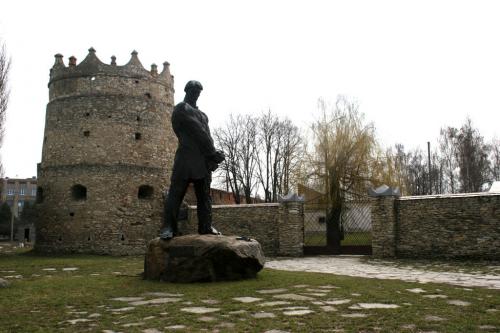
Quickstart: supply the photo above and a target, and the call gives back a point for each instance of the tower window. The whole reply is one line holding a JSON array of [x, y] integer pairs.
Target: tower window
[[79, 192], [138, 136], [86, 133], [138, 118], [87, 114], [148, 95], [145, 192]]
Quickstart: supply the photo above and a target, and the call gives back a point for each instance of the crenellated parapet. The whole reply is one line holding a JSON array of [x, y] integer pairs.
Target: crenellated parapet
[[92, 76], [92, 65]]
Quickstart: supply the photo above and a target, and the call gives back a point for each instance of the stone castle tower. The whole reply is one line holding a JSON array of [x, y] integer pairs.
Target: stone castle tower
[[107, 152]]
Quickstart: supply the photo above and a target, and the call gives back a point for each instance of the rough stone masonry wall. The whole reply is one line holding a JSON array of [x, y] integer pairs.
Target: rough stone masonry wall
[[460, 226], [279, 228], [107, 129]]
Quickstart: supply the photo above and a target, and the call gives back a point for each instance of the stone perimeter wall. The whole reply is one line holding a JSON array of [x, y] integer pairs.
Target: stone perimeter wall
[[459, 226], [279, 227]]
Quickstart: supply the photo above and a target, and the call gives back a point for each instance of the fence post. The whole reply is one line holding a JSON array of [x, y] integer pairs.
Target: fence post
[[291, 226], [384, 220]]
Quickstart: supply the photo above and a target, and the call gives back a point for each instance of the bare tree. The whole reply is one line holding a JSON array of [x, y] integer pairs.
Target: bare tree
[[437, 174], [472, 158], [267, 134], [228, 140], [4, 92], [417, 182], [247, 156], [291, 152], [278, 161], [238, 141], [448, 154], [387, 169], [495, 159], [261, 151]]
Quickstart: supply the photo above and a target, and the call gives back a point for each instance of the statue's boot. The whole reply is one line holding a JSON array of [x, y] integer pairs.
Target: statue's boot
[[209, 231], [168, 232]]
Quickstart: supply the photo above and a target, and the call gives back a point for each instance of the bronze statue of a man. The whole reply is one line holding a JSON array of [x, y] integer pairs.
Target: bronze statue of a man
[[195, 159]]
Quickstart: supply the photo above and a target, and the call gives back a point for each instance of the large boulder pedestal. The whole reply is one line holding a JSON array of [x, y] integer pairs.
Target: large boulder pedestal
[[202, 258]]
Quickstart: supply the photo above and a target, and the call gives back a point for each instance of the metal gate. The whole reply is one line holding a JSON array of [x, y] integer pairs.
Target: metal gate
[[351, 235]]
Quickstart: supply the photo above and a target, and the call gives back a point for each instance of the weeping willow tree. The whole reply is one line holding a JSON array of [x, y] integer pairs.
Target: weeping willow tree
[[342, 153], [4, 92]]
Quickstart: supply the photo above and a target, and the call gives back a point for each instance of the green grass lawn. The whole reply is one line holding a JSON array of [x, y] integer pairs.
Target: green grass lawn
[[41, 300]]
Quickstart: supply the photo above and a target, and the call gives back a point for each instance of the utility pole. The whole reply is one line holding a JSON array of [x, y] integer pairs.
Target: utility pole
[[429, 164], [14, 206]]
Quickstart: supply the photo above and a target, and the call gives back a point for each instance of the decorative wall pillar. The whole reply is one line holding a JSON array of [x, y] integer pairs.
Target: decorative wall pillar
[[384, 221], [291, 226]]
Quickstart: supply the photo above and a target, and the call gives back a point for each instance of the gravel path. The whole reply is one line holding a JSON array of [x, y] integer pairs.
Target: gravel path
[[353, 266]]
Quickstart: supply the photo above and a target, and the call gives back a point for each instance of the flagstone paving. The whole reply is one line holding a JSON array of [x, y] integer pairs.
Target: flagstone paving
[[156, 301], [458, 302], [297, 312], [354, 266], [247, 299], [435, 296], [274, 303], [200, 310], [377, 306], [176, 327], [260, 315], [272, 291], [293, 297]]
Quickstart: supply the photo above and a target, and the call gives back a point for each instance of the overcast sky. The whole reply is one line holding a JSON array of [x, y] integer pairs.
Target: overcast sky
[[413, 66]]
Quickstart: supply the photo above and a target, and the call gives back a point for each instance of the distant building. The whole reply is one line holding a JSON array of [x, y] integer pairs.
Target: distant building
[[16, 192], [315, 209], [219, 197]]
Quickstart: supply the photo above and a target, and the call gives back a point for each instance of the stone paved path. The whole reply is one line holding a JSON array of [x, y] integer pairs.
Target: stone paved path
[[353, 266]]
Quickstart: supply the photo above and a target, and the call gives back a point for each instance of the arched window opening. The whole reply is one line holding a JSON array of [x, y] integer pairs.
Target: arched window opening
[[79, 192], [145, 192]]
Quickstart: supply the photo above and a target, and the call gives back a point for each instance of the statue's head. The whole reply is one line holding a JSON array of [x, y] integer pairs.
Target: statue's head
[[193, 89], [193, 85]]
